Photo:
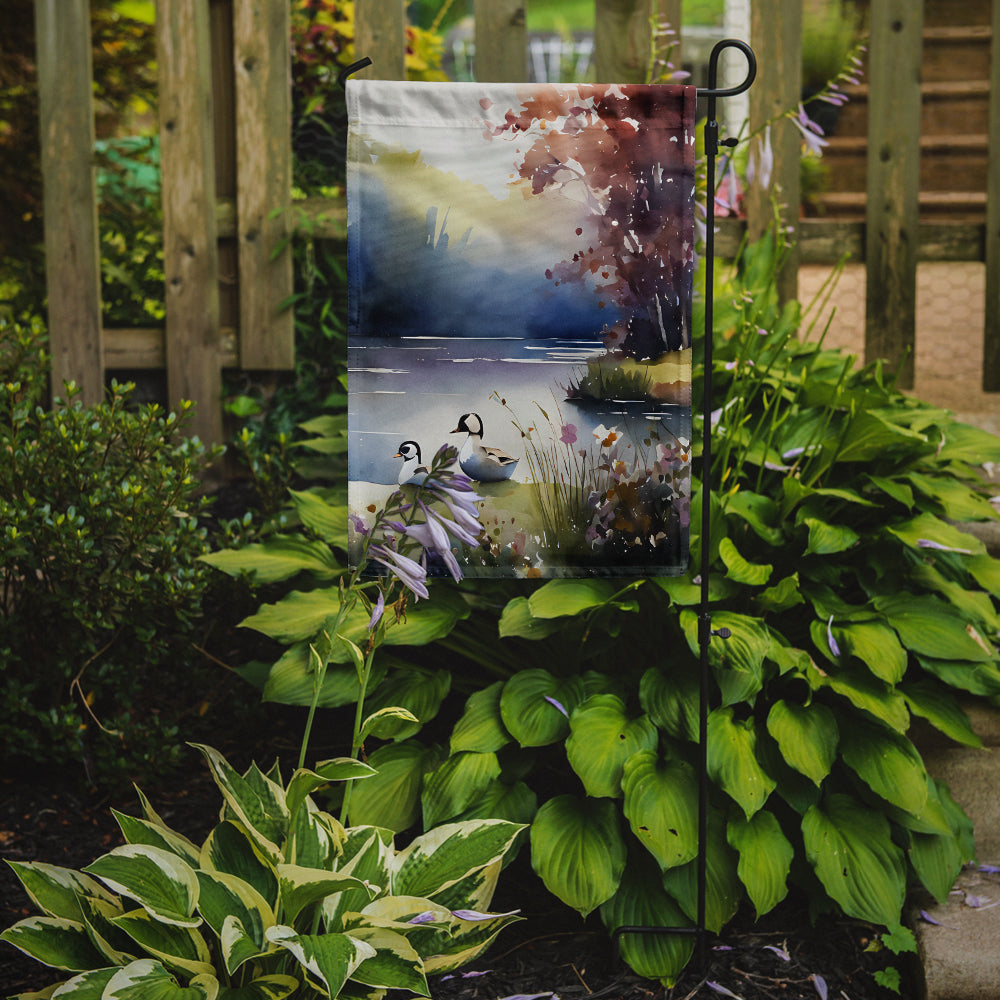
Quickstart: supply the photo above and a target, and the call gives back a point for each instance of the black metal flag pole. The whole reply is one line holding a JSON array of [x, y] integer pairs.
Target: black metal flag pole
[[705, 631]]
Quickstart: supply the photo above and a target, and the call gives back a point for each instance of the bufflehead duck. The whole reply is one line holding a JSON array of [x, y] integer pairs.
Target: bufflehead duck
[[484, 464], [412, 471]]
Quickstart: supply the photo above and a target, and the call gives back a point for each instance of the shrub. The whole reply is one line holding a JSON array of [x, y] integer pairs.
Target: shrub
[[854, 605], [280, 899], [99, 539]]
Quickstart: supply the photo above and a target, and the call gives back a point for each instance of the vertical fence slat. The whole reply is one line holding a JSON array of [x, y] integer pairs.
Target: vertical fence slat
[[72, 257], [776, 34], [621, 40], [501, 41], [261, 57], [190, 253], [380, 34], [669, 12], [892, 215], [991, 332]]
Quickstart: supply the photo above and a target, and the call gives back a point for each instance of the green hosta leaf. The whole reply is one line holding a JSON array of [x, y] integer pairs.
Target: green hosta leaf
[[147, 979], [516, 803], [274, 987], [783, 595], [893, 488], [438, 859], [535, 706], [670, 698], [957, 501], [931, 628], [304, 782], [976, 678], [395, 964], [986, 572], [738, 661], [230, 849], [177, 947], [871, 435], [975, 605], [941, 709], [291, 680], [330, 959], [578, 851], [602, 738], [456, 784], [279, 558], [560, 598], [683, 592], [387, 723], [876, 646], [888, 763], [738, 569], [807, 736], [928, 528], [159, 881], [758, 511], [142, 831], [661, 799], [416, 690], [765, 858], [732, 760], [850, 847], [56, 891], [391, 798], [260, 809], [517, 620], [226, 898], [937, 858], [723, 889], [326, 520], [828, 539], [301, 887], [641, 901], [965, 443], [54, 941], [481, 728], [866, 692]]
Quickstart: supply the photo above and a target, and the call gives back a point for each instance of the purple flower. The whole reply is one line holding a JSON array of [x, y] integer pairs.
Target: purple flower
[[719, 988], [811, 132], [830, 641], [475, 915], [377, 611], [411, 574], [568, 435], [427, 917], [820, 983], [761, 162], [358, 524], [466, 537], [558, 705], [927, 543]]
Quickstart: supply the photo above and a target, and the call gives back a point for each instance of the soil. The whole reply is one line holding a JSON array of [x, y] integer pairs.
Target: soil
[[551, 952]]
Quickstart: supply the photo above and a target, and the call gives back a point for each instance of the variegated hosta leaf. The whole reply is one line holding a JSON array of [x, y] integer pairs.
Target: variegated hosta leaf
[[765, 858], [328, 959], [807, 736], [391, 799], [578, 851], [147, 979], [661, 805], [256, 801], [274, 987], [177, 947], [888, 763], [476, 890], [602, 737], [642, 902], [158, 880], [301, 887], [315, 838], [395, 964], [116, 947], [54, 941], [304, 782], [367, 853], [441, 857], [535, 706], [56, 891], [723, 889], [732, 760], [850, 847], [225, 897], [456, 784], [230, 849], [481, 727], [468, 939], [141, 831], [86, 986]]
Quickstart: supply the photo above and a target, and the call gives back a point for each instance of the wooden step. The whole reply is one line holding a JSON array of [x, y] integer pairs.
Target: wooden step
[[945, 106], [939, 13], [947, 162], [956, 53], [957, 206]]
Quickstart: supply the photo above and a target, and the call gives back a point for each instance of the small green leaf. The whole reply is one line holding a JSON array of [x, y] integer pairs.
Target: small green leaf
[[739, 569], [281, 557], [561, 598], [456, 784], [535, 706], [765, 858], [391, 798], [828, 539], [936, 704], [732, 760], [326, 520], [888, 763], [807, 736], [481, 727], [517, 620], [670, 697]]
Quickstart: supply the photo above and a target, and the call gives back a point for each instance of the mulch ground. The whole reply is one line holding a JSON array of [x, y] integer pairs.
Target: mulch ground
[[551, 952]]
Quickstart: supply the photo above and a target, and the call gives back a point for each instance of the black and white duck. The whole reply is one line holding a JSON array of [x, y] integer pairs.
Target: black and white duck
[[412, 472], [478, 461]]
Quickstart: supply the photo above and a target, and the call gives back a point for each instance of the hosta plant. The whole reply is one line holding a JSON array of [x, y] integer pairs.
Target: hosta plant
[[279, 900]]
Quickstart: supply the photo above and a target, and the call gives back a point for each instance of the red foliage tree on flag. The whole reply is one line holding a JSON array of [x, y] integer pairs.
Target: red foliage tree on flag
[[625, 154]]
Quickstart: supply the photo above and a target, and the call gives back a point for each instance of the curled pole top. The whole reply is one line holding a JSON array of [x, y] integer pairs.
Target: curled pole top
[[712, 91]]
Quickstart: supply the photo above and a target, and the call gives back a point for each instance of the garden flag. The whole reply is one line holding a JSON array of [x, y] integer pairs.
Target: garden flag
[[520, 270]]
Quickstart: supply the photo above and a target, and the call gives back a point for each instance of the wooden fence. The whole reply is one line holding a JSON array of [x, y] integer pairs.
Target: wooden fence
[[226, 161]]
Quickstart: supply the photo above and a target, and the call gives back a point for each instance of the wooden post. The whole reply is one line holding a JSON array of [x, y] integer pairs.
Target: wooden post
[[991, 333], [262, 61], [622, 40], [776, 35], [501, 41], [72, 255], [893, 183], [380, 34], [190, 254]]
